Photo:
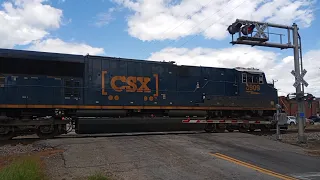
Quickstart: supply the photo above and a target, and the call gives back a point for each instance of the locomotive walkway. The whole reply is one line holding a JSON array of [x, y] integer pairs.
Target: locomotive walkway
[[185, 156]]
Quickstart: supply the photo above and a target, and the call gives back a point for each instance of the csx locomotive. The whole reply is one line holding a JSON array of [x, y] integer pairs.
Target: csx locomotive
[[42, 92]]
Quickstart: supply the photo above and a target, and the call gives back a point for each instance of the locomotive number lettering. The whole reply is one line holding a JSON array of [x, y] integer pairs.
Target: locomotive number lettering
[[130, 84], [252, 87]]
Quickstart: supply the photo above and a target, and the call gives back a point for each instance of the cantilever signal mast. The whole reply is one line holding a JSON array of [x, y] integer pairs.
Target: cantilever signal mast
[[245, 29]]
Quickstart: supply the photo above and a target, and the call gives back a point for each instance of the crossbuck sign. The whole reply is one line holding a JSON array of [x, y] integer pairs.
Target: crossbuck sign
[[260, 30], [299, 78]]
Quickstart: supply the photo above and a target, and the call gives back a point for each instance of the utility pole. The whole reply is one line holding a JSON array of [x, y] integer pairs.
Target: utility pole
[[273, 81], [278, 124], [299, 90], [245, 29]]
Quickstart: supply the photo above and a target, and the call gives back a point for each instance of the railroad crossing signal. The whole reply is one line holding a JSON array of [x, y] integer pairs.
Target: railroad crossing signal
[[299, 78], [245, 28], [261, 38]]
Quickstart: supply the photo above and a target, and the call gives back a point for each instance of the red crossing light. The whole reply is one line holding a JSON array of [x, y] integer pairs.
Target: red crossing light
[[247, 29]]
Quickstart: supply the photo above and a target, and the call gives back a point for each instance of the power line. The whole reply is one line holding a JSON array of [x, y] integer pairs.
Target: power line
[[187, 18], [211, 25], [204, 20]]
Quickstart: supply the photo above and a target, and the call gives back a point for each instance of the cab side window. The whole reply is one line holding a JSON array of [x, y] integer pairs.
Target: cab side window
[[2, 81], [244, 77], [260, 79], [252, 78], [256, 79], [249, 78]]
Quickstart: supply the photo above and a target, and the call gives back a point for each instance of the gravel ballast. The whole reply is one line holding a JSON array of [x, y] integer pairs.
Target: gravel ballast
[[18, 149]]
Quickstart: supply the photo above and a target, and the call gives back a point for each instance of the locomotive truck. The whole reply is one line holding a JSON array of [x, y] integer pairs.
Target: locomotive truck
[[41, 92]]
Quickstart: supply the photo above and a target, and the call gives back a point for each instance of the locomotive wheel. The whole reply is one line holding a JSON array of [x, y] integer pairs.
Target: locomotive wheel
[[243, 129], [209, 128], [230, 129], [6, 133], [47, 132], [220, 128], [265, 129]]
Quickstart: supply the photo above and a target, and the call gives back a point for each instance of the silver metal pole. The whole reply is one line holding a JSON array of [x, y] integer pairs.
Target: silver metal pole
[[278, 126], [266, 44], [289, 37], [301, 64], [299, 92], [269, 24]]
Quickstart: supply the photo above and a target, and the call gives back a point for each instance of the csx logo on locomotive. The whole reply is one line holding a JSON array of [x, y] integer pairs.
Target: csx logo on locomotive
[[130, 83]]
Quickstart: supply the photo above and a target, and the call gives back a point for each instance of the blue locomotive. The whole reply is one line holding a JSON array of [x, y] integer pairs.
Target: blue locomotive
[[42, 92]]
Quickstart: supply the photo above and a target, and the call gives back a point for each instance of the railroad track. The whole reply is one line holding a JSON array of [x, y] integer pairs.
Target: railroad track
[[25, 140], [32, 138], [289, 131]]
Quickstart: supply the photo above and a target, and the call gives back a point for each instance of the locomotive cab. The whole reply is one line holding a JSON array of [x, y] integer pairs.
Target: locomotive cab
[[254, 87], [252, 82]]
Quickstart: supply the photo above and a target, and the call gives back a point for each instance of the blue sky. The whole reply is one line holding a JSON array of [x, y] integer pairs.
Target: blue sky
[[114, 38], [188, 32]]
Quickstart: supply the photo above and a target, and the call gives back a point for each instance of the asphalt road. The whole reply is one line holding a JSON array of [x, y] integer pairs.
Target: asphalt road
[[182, 157]]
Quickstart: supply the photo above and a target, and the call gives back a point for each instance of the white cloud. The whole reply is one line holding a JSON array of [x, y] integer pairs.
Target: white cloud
[[245, 56], [59, 46], [167, 19], [28, 22], [105, 17], [23, 21]]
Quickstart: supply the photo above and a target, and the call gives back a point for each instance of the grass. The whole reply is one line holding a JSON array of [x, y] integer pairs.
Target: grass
[[30, 168], [98, 177], [25, 168]]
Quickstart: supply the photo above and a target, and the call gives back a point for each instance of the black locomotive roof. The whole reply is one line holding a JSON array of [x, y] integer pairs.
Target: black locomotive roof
[[49, 56], [34, 55]]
